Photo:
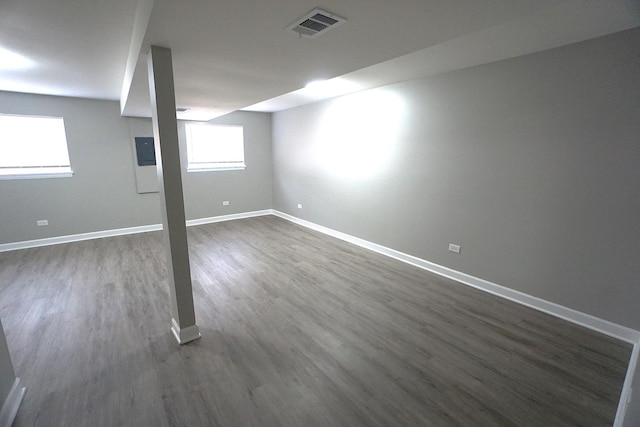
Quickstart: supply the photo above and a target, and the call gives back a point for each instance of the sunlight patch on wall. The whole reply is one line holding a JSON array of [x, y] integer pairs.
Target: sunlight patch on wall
[[358, 134], [12, 61]]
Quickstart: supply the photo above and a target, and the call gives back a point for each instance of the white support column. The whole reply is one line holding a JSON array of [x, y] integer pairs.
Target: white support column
[[165, 132], [11, 388]]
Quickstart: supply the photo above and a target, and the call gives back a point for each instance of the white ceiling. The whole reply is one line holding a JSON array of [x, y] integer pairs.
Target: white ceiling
[[231, 55]]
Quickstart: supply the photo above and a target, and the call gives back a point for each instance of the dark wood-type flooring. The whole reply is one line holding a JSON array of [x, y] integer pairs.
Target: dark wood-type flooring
[[298, 329]]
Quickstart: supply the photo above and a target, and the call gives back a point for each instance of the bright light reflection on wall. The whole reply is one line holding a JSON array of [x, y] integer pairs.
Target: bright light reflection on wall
[[358, 134], [12, 61], [324, 89]]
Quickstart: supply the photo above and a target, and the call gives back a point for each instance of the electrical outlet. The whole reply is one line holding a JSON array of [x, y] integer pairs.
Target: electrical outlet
[[454, 248], [42, 222], [299, 205], [225, 203]]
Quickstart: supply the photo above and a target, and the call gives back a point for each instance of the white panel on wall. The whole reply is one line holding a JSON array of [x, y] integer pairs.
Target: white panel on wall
[[146, 176], [146, 179]]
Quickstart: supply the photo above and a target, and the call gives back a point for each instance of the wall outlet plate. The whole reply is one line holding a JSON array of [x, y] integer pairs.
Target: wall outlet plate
[[299, 205], [454, 248], [225, 203], [42, 222]]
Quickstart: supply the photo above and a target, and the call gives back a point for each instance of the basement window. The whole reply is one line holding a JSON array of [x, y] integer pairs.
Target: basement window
[[33, 147], [214, 147]]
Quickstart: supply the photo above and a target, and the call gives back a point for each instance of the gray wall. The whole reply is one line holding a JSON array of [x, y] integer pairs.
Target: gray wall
[[531, 164], [102, 193], [246, 190]]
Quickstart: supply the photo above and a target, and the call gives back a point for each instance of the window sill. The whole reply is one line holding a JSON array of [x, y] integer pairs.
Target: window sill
[[36, 176], [235, 168]]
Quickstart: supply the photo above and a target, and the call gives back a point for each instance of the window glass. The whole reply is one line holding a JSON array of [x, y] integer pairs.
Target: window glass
[[32, 146], [213, 147]]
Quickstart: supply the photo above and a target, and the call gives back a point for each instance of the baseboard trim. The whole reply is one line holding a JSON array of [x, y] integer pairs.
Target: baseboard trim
[[12, 403], [588, 321], [231, 217], [78, 237], [185, 335], [5, 247]]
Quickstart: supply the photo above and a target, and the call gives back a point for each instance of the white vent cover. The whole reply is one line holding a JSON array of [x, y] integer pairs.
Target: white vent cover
[[316, 22]]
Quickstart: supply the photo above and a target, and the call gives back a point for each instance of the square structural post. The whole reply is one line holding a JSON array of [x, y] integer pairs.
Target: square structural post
[[165, 132]]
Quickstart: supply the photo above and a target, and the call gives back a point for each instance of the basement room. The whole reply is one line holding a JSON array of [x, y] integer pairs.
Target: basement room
[[319, 213]]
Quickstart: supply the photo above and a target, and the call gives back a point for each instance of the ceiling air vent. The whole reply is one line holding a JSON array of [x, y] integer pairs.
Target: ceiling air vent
[[316, 22]]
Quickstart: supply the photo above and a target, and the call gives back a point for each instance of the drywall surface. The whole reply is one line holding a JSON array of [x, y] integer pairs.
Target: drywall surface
[[101, 195], [246, 190], [529, 164]]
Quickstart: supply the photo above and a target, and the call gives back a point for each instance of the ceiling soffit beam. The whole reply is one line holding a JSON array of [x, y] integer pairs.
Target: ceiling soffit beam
[[545, 29], [141, 21]]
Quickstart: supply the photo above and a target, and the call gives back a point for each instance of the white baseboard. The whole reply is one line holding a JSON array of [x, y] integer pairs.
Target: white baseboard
[[122, 231], [78, 237], [185, 335], [230, 217], [12, 404], [611, 329]]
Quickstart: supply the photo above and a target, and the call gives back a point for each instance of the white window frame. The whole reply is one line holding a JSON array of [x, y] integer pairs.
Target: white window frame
[[34, 134], [200, 157]]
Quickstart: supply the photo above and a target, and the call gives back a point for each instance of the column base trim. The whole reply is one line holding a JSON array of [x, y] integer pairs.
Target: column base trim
[[185, 335], [12, 404]]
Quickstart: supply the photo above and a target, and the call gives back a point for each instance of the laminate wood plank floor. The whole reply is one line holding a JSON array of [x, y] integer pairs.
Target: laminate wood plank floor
[[298, 329]]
